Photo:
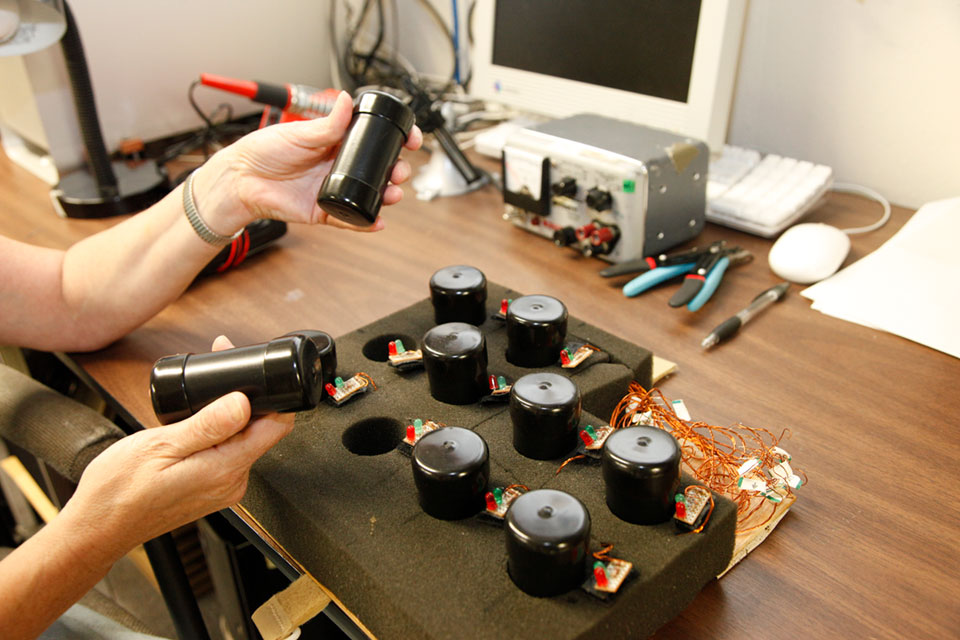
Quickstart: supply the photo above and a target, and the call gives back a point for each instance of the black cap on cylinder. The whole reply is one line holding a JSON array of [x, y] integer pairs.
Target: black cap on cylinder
[[548, 542], [641, 471], [455, 357], [353, 190], [280, 375], [536, 329], [459, 294], [326, 350], [451, 469], [545, 411]]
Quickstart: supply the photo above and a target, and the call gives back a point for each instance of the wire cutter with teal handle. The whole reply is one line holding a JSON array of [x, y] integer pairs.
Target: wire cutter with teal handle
[[702, 276]]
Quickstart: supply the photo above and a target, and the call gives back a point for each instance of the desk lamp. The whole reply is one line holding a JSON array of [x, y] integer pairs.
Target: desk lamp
[[103, 188]]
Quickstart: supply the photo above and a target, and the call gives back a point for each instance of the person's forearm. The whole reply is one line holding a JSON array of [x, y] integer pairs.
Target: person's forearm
[[115, 280], [48, 573]]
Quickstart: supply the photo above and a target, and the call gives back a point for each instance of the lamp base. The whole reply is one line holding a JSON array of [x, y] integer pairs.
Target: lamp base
[[78, 195]]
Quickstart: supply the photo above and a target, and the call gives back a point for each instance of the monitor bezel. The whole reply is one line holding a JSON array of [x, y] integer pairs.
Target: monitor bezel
[[705, 115]]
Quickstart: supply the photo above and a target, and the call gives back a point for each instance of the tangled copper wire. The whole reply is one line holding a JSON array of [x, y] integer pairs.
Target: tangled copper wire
[[712, 454]]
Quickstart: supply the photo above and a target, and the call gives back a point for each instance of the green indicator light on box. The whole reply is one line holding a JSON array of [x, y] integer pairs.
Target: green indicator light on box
[[629, 186]]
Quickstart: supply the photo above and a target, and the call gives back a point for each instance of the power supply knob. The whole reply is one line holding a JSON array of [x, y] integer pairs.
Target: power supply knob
[[566, 187], [599, 199], [565, 236]]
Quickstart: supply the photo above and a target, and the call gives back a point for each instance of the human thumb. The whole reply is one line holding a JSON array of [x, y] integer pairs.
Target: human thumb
[[329, 130], [212, 425]]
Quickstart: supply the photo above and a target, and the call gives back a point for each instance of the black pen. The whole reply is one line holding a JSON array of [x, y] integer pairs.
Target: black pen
[[730, 326]]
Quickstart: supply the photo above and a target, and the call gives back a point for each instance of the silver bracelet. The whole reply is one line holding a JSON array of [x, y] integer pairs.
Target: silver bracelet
[[206, 233]]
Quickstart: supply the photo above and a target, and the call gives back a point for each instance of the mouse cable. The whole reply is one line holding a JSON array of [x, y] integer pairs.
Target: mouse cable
[[856, 189]]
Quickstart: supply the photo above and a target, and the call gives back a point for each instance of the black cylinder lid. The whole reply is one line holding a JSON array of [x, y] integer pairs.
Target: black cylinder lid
[[646, 450], [537, 309], [546, 390], [386, 106], [453, 340], [170, 401], [548, 519], [450, 452], [458, 278]]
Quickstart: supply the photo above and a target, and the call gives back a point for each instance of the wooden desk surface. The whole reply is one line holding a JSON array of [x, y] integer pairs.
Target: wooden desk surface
[[870, 548]]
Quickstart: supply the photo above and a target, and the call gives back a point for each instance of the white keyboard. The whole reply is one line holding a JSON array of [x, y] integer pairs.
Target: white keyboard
[[762, 195]]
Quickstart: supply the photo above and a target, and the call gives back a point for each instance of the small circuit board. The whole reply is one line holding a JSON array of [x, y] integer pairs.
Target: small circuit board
[[609, 576], [340, 391], [403, 359], [692, 508], [499, 500], [575, 353], [501, 314], [419, 428], [594, 437], [499, 386]]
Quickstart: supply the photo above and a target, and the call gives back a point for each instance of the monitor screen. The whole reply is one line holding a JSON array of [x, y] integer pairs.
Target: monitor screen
[[645, 48], [669, 64]]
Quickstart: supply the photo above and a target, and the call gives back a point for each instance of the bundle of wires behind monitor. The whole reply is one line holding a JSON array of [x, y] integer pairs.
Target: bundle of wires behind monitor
[[376, 67]]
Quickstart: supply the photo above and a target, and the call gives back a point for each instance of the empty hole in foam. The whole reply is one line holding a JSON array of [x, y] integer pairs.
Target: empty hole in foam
[[373, 436], [376, 348]]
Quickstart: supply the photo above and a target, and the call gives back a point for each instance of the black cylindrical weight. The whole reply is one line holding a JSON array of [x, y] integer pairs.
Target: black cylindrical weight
[[548, 540], [536, 329], [545, 411], [641, 471], [353, 190], [280, 375], [451, 469], [455, 357], [459, 294]]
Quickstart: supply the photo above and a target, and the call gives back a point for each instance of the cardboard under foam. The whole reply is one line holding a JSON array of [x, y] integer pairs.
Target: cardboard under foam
[[341, 499]]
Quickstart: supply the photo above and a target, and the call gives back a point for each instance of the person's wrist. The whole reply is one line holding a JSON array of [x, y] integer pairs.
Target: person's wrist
[[216, 200], [94, 543]]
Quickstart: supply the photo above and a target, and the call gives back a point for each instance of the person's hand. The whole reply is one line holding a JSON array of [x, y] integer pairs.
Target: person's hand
[[276, 172], [158, 479]]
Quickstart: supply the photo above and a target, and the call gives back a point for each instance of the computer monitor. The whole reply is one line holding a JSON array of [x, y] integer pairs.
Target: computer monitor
[[669, 64]]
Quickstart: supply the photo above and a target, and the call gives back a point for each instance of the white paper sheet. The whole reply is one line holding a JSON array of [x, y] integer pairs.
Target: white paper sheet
[[910, 286]]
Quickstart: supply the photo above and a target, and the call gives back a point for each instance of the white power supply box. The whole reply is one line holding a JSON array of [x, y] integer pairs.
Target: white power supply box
[[607, 188]]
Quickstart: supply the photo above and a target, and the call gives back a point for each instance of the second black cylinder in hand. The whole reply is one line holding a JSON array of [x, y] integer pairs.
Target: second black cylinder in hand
[[280, 375], [353, 190]]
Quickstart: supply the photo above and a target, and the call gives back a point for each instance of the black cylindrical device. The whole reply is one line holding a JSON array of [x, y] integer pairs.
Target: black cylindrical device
[[459, 294], [641, 472], [536, 329], [451, 469], [548, 540], [545, 411], [353, 190], [455, 357], [281, 375], [326, 351]]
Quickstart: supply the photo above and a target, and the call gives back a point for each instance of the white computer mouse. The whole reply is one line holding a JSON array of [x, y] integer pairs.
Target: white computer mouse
[[808, 252], [9, 19]]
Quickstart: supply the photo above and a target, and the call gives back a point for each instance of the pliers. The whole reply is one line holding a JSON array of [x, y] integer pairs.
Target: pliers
[[704, 269]]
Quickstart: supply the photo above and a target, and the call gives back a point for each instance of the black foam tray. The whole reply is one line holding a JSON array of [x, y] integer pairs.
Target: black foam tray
[[340, 497]]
